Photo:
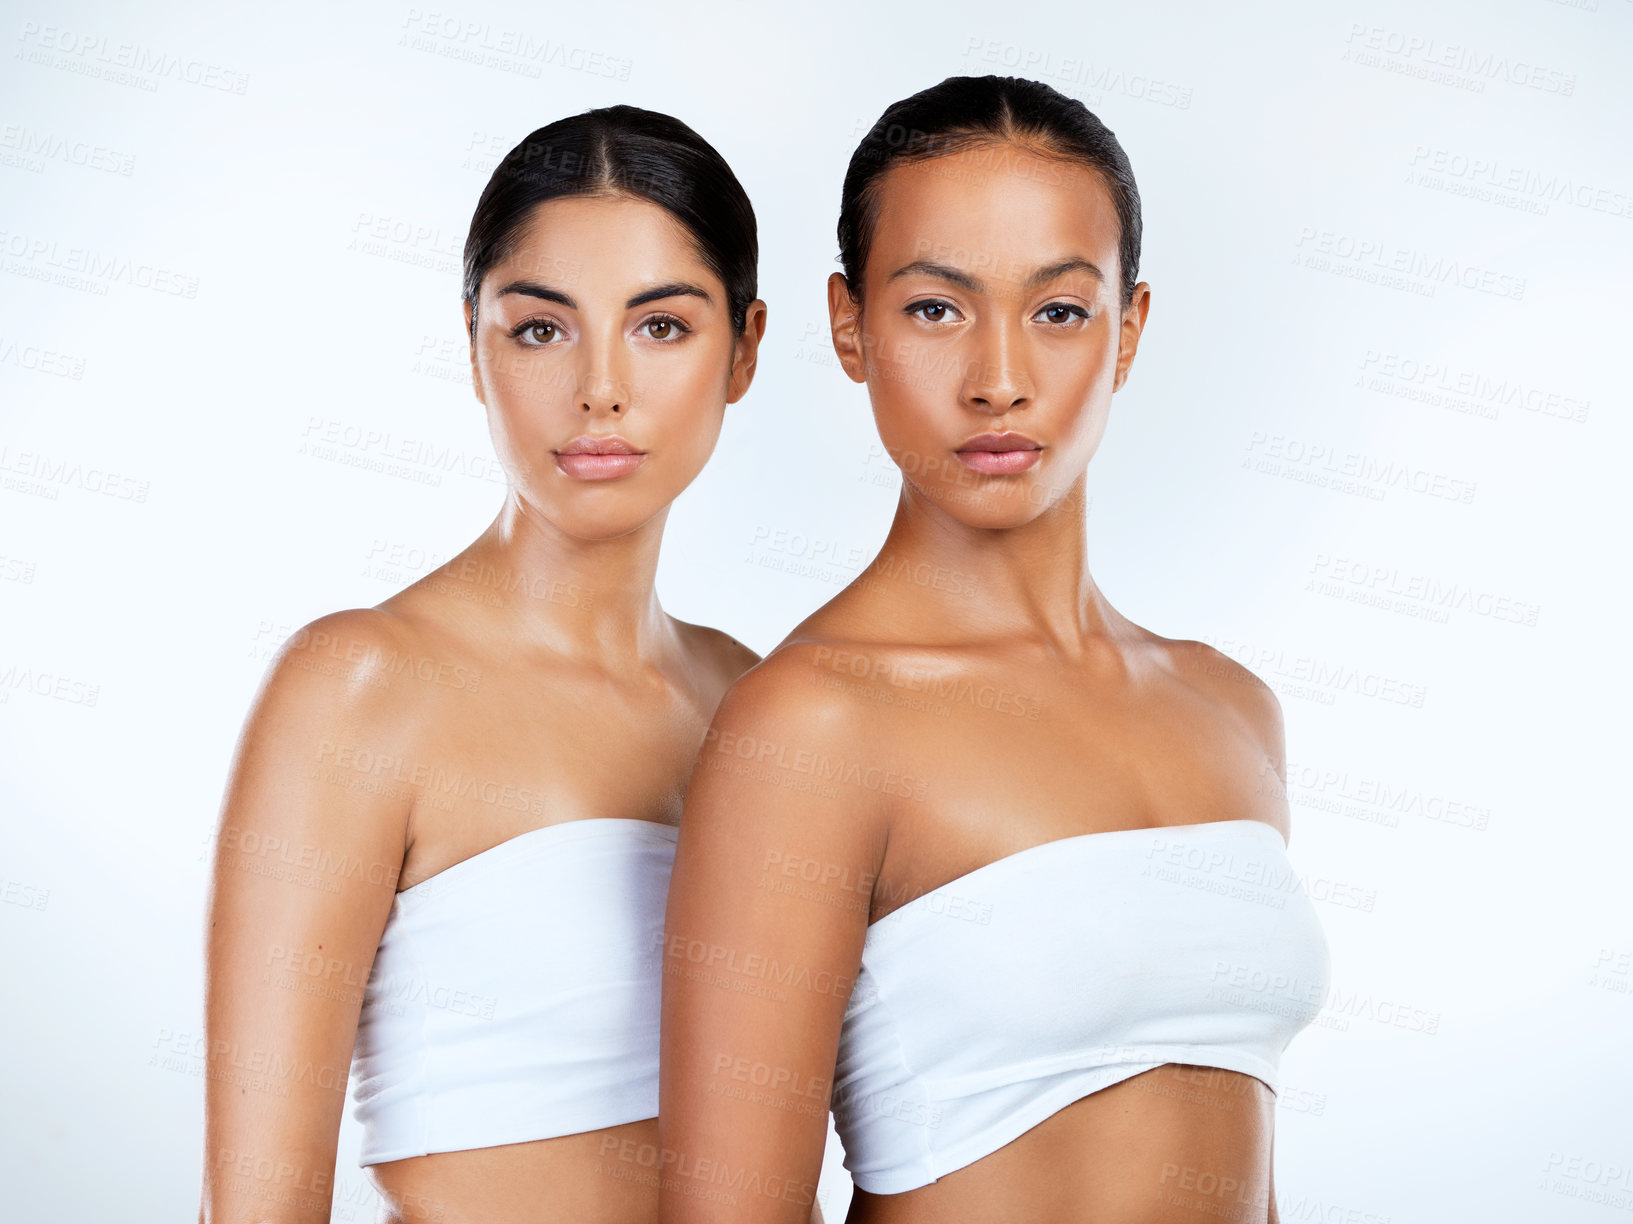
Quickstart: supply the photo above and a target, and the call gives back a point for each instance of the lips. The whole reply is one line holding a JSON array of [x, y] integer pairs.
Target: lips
[[599, 457], [999, 454], [599, 444], [1007, 441]]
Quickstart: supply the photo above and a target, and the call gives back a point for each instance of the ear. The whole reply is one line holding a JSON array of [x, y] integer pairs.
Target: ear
[[845, 321], [476, 373], [1128, 338], [746, 353]]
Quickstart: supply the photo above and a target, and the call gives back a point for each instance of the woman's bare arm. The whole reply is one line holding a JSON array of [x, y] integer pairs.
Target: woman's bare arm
[[308, 850], [1272, 1216], [780, 841]]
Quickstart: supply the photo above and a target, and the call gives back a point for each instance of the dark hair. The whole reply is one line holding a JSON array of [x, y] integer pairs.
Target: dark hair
[[621, 150], [962, 112]]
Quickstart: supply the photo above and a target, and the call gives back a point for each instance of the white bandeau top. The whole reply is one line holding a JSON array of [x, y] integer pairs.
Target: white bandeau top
[[983, 1007], [514, 995]]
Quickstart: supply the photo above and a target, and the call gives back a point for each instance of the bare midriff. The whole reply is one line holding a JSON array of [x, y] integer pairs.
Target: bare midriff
[[608, 1176], [1175, 1143]]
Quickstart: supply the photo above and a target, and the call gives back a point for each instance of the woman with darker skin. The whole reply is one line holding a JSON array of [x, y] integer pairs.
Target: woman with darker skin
[[971, 707], [432, 748]]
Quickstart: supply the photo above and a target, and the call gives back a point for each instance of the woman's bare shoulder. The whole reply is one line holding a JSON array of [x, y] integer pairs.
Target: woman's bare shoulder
[[804, 695], [788, 682], [355, 646], [358, 669], [1216, 675]]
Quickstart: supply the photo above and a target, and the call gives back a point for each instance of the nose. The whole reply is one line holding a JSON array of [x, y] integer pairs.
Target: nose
[[995, 378], [600, 395], [603, 377]]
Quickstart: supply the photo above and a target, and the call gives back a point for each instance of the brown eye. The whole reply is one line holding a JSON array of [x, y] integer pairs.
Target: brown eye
[[931, 312], [660, 329], [1062, 313], [540, 333]]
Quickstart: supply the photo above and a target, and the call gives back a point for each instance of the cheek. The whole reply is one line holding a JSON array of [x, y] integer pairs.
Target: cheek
[[528, 397], [1076, 383], [679, 398], [689, 379], [525, 386], [1070, 374], [909, 379]]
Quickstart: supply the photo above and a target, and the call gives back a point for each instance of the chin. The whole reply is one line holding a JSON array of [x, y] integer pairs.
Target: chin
[[993, 508], [607, 523], [591, 518]]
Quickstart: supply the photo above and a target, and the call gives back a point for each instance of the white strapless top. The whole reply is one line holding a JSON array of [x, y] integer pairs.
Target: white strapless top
[[983, 1007], [514, 996]]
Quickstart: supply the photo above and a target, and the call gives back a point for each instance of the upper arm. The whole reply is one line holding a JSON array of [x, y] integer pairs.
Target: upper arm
[[1254, 706], [1273, 1215], [779, 844], [1257, 705], [308, 848]]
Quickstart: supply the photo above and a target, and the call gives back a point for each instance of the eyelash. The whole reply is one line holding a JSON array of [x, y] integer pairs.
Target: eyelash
[[527, 325], [914, 308], [1071, 306], [673, 322]]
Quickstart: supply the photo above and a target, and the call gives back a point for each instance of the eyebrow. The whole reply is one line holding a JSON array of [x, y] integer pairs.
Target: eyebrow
[[1075, 264], [655, 294], [964, 280], [534, 289], [673, 289], [940, 271]]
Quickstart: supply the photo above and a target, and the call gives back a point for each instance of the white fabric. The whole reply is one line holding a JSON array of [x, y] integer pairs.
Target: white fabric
[[993, 1002], [514, 996]]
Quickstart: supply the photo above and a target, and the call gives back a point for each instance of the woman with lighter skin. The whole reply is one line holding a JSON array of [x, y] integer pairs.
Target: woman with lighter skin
[[970, 857], [446, 838]]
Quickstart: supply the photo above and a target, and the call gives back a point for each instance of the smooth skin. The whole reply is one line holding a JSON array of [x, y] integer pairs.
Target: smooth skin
[[970, 695], [537, 663]]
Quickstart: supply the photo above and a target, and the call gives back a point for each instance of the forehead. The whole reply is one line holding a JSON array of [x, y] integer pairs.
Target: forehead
[[997, 210], [614, 238]]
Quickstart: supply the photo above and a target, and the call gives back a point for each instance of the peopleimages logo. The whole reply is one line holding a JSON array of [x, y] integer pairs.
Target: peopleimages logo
[[44, 475], [1378, 259], [1488, 179], [89, 270], [1323, 464], [123, 63], [1444, 63], [30, 149], [1070, 73], [1472, 392], [516, 51]]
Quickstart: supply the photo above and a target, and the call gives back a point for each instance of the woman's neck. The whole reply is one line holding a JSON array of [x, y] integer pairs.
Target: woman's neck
[[1030, 581], [591, 600]]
